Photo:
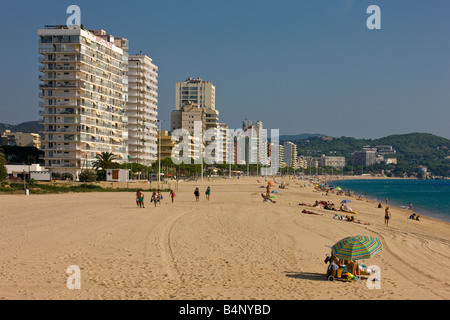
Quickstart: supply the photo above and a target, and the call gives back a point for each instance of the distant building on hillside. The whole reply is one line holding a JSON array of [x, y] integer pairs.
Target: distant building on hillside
[[364, 157], [335, 162], [385, 149], [20, 139]]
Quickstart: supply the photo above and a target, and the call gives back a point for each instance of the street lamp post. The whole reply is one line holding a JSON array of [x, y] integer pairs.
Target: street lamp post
[[159, 155]]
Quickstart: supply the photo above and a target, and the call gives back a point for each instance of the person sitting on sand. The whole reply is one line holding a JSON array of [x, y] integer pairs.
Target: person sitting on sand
[[334, 265], [417, 217], [352, 266], [413, 216], [380, 206], [266, 198], [268, 190]]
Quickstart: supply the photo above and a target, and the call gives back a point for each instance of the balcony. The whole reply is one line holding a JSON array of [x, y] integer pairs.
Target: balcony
[[61, 86]]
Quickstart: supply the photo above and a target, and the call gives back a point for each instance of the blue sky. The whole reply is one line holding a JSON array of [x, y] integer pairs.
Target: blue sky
[[299, 66]]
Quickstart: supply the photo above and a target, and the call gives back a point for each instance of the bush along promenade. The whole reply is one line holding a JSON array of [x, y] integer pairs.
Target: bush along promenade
[[52, 187]]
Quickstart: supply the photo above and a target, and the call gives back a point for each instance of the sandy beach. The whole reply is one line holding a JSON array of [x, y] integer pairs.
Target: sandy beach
[[233, 247]]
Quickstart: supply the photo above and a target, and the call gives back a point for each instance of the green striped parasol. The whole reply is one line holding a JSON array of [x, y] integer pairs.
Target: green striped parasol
[[357, 248]]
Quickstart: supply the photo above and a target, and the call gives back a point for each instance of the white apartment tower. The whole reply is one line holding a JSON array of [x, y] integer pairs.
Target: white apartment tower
[[202, 94], [83, 94], [261, 151], [142, 109], [290, 154]]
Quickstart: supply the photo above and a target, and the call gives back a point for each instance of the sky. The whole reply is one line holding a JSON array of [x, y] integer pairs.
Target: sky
[[299, 66]]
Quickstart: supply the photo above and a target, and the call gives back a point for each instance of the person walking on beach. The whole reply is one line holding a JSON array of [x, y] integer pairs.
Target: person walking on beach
[[154, 198], [159, 196], [140, 199], [208, 193], [197, 194], [387, 216], [172, 194]]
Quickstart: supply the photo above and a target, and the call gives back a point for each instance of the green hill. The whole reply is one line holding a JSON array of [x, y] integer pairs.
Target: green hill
[[412, 150], [27, 127]]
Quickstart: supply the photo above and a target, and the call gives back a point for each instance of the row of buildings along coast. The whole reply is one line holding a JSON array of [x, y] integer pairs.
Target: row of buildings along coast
[[97, 97]]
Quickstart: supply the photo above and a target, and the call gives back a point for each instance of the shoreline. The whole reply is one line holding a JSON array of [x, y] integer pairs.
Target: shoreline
[[423, 213]]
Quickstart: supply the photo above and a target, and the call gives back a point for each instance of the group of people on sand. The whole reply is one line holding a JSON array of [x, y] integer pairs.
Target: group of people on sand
[[155, 198], [352, 268], [197, 194]]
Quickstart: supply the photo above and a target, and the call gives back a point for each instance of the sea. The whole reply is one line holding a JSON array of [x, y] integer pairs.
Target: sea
[[428, 197]]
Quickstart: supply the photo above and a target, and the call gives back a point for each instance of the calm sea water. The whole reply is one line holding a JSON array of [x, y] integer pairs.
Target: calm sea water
[[428, 197]]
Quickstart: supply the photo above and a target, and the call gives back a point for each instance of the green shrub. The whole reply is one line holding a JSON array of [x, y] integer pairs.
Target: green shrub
[[87, 176]]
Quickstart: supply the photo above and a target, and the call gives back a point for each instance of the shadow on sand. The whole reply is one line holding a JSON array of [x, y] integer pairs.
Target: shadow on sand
[[307, 276]]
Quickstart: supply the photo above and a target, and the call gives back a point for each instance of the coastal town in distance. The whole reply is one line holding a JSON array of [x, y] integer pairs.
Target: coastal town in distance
[[109, 195]]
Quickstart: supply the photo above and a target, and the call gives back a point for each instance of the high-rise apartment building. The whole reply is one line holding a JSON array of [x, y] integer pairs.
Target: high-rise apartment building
[[165, 150], [260, 154], [197, 91], [194, 95], [290, 154], [83, 92], [142, 109]]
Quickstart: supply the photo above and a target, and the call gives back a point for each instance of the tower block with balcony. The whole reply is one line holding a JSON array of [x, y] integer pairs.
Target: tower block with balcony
[[83, 94]]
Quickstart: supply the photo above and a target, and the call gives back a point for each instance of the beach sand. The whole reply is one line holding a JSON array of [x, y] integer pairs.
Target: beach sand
[[233, 247]]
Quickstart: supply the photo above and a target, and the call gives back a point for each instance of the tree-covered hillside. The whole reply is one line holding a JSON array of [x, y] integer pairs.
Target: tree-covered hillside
[[413, 150]]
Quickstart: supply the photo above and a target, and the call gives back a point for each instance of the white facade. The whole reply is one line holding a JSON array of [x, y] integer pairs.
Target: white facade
[[261, 153], [290, 154], [84, 93], [142, 109], [117, 175]]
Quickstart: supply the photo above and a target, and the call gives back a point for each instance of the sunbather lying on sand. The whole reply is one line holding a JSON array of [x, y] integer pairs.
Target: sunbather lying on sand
[[304, 204], [310, 212]]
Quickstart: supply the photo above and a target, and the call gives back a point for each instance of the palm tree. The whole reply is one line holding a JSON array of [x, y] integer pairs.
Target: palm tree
[[105, 160], [3, 172]]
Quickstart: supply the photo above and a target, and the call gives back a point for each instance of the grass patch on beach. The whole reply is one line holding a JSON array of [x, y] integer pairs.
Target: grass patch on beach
[[43, 188]]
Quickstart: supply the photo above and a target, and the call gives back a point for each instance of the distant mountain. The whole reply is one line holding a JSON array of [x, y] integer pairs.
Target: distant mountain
[[27, 127], [303, 136]]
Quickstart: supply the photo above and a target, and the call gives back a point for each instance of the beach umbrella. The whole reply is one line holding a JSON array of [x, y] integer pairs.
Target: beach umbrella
[[338, 188], [346, 201], [357, 248]]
